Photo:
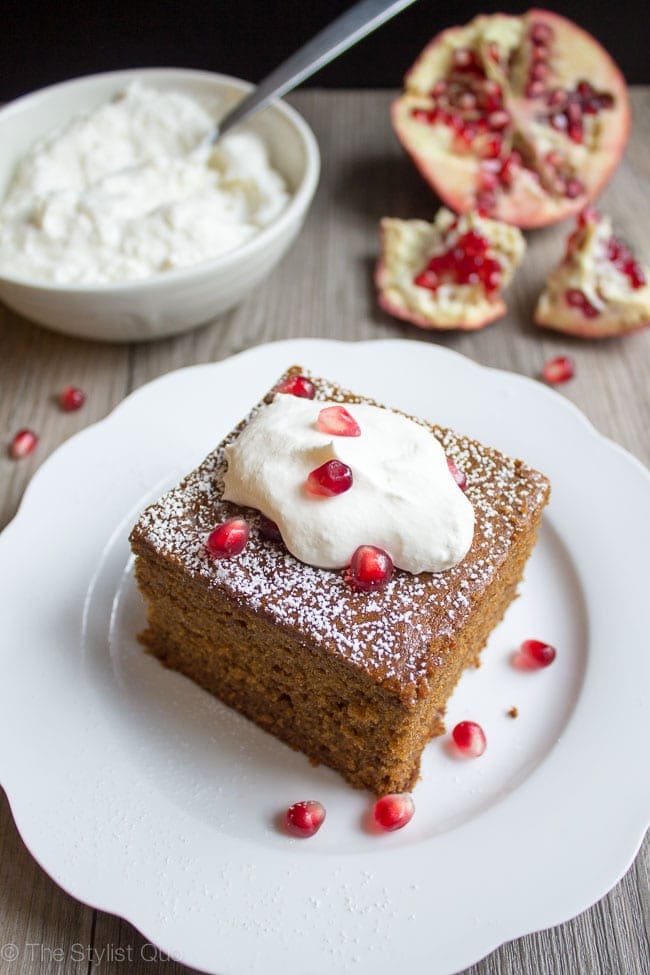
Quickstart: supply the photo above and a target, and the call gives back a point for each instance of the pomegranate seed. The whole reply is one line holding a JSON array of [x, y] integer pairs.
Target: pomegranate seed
[[539, 71], [574, 113], [304, 818], [559, 122], [589, 215], [297, 386], [469, 738], [585, 90], [539, 53], [492, 99], [467, 101], [536, 653], [394, 811], [487, 180], [23, 444], [458, 475], [558, 370], [510, 164], [541, 33], [370, 568], [575, 132], [427, 279], [557, 97], [269, 529], [635, 274], [492, 148], [485, 203], [499, 119], [422, 115], [71, 398], [228, 539], [439, 88], [573, 188], [553, 158], [331, 478], [337, 421], [463, 58], [578, 299], [535, 89]]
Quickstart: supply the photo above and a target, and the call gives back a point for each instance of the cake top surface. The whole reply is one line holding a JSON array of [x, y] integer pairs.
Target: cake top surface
[[398, 635]]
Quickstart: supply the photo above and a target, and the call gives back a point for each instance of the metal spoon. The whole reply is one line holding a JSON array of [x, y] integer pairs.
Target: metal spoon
[[357, 22]]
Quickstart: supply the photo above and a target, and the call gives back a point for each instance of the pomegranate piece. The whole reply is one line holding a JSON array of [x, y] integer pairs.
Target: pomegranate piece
[[269, 529], [304, 818], [535, 653], [448, 274], [370, 568], [599, 288], [458, 475], [394, 811], [228, 539], [71, 398], [504, 84], [297, 386], [558, 370], [469, 739], [23, 443], [336, 420], [330, 479]]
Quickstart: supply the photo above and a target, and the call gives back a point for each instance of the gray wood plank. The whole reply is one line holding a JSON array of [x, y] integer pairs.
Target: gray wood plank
[[324, 288]]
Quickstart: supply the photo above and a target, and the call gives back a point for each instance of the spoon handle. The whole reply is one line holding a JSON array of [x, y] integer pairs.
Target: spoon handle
[[341, 34]]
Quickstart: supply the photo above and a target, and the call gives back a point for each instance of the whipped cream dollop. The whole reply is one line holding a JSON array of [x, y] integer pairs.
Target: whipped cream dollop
[[129, 190], [403, 498]]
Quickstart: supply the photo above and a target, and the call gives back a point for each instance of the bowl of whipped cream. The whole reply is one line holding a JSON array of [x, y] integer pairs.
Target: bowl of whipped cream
[[119, 223]]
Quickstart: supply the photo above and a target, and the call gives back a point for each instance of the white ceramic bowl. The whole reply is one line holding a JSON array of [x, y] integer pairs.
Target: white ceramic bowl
[[174, 301]]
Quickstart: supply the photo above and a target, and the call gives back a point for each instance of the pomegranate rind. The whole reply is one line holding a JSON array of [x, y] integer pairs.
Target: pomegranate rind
[[406, 246], [622, 309], [527, 203]]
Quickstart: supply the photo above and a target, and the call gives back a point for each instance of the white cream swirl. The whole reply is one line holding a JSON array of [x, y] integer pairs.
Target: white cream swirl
[[403, 498]]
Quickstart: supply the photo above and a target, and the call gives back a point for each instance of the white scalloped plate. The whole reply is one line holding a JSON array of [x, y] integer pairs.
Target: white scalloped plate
[[143, 796]]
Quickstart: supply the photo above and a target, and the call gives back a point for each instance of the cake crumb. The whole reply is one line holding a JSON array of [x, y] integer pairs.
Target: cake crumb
[[513, 712]]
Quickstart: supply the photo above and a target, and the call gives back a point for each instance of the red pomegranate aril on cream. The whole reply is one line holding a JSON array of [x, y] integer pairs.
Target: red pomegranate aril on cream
[[23, 443], [71, 398], [469, 738], [394, 811], [536, 653], [304, 818], [336, 420], [330, 479], [228, 539], [370, 568], [458, 475], [558, 370], [297, 386]]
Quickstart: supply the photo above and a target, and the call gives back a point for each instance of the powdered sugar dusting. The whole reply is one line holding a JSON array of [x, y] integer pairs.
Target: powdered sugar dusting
[[389, 634]]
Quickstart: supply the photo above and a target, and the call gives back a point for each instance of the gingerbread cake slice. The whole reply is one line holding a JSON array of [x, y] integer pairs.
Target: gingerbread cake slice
[[353, 678]]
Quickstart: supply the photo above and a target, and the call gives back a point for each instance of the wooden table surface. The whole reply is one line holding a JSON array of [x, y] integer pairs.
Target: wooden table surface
[[324, 288]]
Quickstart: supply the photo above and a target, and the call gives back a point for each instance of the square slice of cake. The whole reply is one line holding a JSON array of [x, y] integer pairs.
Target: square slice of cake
[[355, 679]]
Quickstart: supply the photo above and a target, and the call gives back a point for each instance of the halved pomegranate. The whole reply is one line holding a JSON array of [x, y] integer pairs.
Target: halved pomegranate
[[523, 117], [449, 273], [599, 289]]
